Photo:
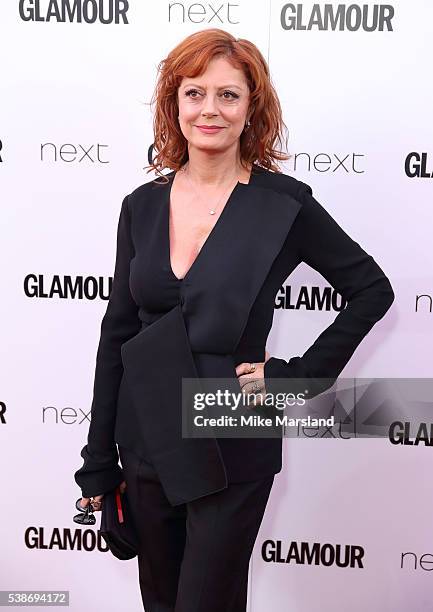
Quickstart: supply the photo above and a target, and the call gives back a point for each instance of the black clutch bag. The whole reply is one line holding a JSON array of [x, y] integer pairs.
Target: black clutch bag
[[117, 526]]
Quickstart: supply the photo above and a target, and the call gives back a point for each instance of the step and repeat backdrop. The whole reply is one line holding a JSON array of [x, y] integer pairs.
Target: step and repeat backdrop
[[349, 523]]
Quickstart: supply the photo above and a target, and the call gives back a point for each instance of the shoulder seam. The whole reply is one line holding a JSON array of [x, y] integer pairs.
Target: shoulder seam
[[304, 188]]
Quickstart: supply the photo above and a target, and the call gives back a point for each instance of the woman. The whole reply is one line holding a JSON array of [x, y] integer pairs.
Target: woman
[[201, 254]]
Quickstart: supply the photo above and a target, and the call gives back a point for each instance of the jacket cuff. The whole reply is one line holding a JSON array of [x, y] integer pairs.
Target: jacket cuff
[[290, 377], [275, 369], [97, 477]]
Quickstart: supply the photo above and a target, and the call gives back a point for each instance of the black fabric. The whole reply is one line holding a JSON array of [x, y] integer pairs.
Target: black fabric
[[194, 556], [266, 229], [355, 275], [119, 532]]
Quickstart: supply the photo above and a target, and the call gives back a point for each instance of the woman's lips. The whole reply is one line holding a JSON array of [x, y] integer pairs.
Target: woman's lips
[[209, 130]]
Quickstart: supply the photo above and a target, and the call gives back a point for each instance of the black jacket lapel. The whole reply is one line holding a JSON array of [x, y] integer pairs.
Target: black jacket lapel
[[155, 361]]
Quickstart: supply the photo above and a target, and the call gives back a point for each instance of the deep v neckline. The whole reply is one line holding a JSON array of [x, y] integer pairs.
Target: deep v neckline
[[208, 240]]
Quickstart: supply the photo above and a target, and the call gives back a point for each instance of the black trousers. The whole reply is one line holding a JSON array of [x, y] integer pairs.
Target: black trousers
[[193, 557]]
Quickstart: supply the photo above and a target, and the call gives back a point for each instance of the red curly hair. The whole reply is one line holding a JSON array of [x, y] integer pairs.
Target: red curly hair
[[190, 58]]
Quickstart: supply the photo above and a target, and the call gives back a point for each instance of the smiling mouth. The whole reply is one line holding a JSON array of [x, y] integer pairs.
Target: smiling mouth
[[208, 128]]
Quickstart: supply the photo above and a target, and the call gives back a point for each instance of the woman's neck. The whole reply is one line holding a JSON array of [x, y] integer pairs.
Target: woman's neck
[[216, 172]]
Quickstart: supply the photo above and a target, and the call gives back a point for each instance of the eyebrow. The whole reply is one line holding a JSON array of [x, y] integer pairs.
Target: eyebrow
[[221, 87]]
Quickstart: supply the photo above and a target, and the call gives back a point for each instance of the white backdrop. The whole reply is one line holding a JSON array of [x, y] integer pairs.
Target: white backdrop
[[364, 97]]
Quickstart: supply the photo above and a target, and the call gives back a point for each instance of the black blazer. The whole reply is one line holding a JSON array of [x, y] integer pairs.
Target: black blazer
[[221, 316]]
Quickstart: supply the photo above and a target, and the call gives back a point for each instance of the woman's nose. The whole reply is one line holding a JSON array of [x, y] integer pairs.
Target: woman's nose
[[210, 106]]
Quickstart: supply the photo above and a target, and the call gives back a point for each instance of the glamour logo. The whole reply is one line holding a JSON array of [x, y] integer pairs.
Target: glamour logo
[[305, 553], [66, 416], [400, 433], [327, 162], [68, 287], [309, 298], [64, 539], [425, 297], [78, 11], [415, 165], [70, 153], [2, 413], [350, 17], [198, 12]]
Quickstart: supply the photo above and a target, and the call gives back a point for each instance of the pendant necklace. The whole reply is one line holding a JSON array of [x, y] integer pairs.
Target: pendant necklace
[[212, 210]]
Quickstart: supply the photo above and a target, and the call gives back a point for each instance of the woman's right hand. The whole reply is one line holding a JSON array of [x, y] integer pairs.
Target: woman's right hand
[[96, 501]]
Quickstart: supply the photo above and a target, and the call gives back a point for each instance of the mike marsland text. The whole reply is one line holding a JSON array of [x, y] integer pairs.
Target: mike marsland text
[[259, 421]]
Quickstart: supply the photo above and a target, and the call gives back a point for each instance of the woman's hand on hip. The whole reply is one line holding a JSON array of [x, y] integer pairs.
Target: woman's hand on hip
[[251, 378]]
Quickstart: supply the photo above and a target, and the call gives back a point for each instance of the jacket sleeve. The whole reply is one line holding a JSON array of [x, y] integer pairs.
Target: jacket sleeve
[[325, 246], [100, 471]]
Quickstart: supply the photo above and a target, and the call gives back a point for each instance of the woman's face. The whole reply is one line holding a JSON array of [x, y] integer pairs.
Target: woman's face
[[218, 97]]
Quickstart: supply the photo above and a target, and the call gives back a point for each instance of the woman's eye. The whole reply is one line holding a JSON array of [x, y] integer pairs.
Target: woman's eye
[[231, 95]]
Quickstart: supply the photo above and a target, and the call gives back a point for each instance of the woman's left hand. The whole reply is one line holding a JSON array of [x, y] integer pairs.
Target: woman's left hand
[[97, 501], [251, 378]]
